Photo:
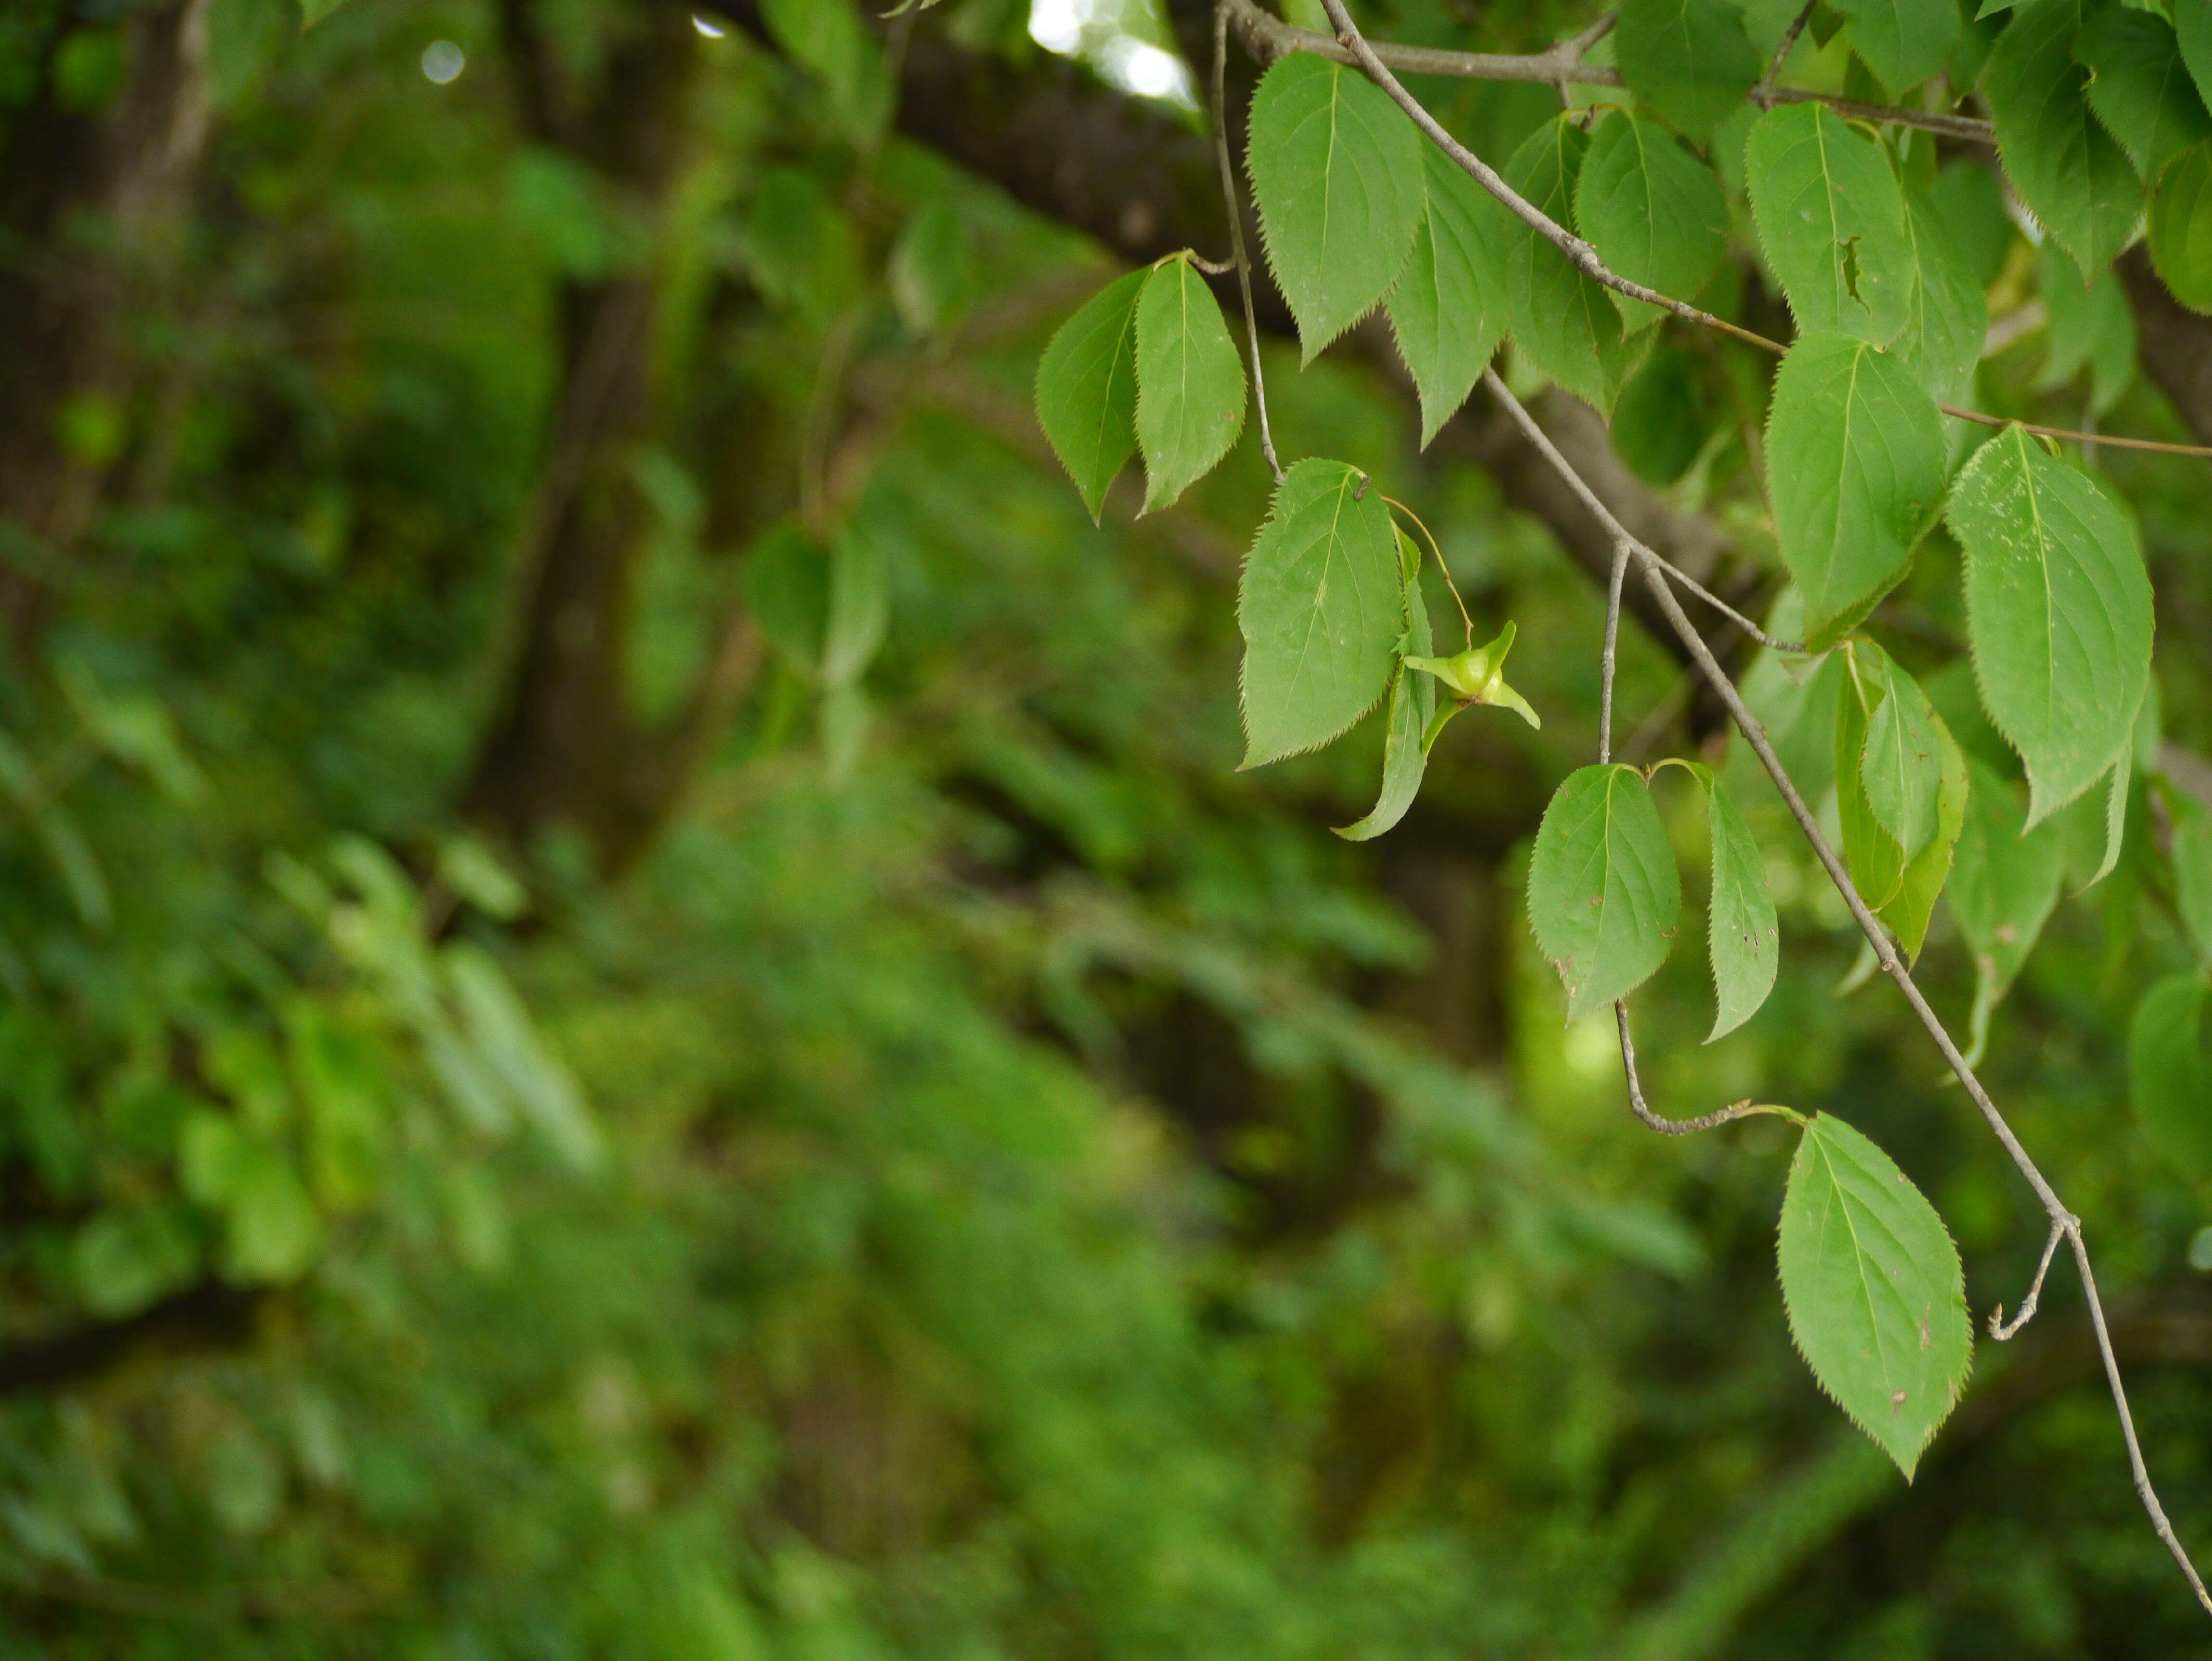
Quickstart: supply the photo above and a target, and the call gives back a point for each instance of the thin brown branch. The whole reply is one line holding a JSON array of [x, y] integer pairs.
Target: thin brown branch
[[1712, 1120], [1585, 258], [1886, 954], [1782, 50], [1270, 38], [2001, 1329], [1235, 208]]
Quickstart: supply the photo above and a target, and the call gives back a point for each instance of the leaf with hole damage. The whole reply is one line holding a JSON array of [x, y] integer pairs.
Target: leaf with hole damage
[[2139, 87], [1603, 894], [1902, 41], [2180, 230], [1855, 460], [1875, 1294], [1831, 217], [1190, 382], [1321, 607], [1689, 59], [2058, 611], [1654, 212], [1563, 323], [2169, 1076], [1337, 173], [1741, 932], [2068, 168], [1086, 389], [1450, 307]]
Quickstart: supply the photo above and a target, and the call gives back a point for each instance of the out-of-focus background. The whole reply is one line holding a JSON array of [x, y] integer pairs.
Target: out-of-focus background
[[641, 1013]]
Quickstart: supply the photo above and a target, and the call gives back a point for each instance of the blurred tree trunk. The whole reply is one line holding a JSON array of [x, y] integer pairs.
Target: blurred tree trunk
[[566, 745], [95, 184]]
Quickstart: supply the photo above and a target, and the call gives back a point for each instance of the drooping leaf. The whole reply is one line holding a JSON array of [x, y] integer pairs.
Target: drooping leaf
[[1654, 212], [2091, 327], [1665, 415], [1902, 764], [1603, 894], [2180, 228], [1337, 173], [1086, 389], [1321, 609], [1413, 702], [1875, 1294], [1190, 382], [2139, 87], [786, 583], [1908, 910], [2192, 31], [1689, 59], [1566, 324], [2004, 881], [1449, 308], [827, 37], [2169, 1076], [1947, 316], [1831, 220], [2190, 854], [2059, 613], [2059, 156], [1855, 455], [1902, 41], [1871, 854], [1969, 202], [859, 607], [1741, 932]]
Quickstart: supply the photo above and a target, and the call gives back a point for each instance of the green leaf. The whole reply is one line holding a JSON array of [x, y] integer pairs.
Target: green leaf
[[1665, 415], [1969, 202], [2180, 229], [2089, 326], [2059, 156], [1689, 59], [2193, 32], [1337, 173], [1413, 702], [1876, 1298], [2139, 87], [1741, 932], [1947, 317], [859, 606], [2190, 854], [1873, 856], [826, 38], [1902, 770], [2004, 881], [1831, 220], [313, 12], [1321, 609], [1902, 41], [1603, 894], [931, 270], [786, 584], [2058, 611], [1190, 382], [1564, 324], [1855, 460], [1908, 910], [2169, 1076], [1654, 212], [1450, 307]]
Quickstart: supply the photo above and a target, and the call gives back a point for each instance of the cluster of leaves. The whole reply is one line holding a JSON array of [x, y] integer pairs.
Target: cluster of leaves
[[2097, 109]]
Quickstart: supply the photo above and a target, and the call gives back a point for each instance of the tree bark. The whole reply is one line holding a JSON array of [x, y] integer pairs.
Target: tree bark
[[90, 203]]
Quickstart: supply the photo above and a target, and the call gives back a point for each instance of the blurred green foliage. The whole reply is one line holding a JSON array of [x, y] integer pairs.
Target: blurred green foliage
[[989, 1179]]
